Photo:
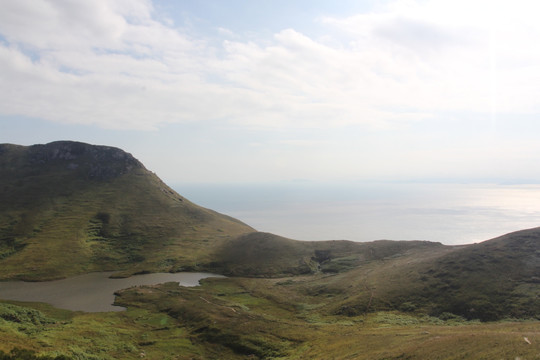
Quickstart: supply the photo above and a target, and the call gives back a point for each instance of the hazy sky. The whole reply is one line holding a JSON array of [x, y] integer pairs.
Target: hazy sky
[[280, 90]]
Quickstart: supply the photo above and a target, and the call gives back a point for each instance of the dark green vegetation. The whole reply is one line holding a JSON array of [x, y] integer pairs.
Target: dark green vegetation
[[24, 354], [250, 318], [70, 208]]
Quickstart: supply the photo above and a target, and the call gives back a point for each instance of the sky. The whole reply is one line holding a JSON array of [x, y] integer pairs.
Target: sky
[[214, 91]]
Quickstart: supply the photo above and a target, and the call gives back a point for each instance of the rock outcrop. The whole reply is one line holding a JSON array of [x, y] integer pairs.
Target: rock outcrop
[[95, 162]]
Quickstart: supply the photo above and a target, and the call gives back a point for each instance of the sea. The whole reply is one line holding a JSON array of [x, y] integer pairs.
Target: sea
[[450, 213]]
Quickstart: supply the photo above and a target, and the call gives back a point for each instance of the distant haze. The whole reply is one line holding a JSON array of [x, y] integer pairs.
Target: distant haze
[[448, 213]]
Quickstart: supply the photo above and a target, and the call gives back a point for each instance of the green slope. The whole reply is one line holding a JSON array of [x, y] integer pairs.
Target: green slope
[[491, 280], [264, 254], [70, 207]]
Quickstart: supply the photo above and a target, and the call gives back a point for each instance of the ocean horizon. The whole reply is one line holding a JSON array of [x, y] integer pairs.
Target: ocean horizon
[[450, 213]]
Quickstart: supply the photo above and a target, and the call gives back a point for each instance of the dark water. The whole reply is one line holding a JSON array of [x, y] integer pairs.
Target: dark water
[[91, 292]]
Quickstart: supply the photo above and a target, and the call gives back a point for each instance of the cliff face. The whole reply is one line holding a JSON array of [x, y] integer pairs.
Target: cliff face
[[90, 161]]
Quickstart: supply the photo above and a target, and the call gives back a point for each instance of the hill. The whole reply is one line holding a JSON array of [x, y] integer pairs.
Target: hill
[[269, 255], [488, 281], [70, 207], [495, 279]]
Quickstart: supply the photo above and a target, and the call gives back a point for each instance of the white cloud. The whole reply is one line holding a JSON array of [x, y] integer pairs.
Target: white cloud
[[113, 64], [53, 24]]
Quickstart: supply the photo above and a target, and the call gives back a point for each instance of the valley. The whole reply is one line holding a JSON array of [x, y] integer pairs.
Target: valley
[[70, 209]]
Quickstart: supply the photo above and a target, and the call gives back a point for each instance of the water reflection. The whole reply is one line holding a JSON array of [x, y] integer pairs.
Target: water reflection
[[91, 292]]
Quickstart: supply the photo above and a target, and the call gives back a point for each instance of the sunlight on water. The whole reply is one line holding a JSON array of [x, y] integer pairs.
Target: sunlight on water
[[448, 213]]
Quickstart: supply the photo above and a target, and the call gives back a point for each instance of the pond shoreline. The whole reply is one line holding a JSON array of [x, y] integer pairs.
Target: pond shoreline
[[92, 292]]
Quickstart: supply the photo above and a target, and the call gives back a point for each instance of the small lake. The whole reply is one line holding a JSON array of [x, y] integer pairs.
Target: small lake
[[91, 292]]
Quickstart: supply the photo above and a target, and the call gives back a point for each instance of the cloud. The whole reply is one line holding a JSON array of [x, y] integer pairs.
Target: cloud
[[54, 24], [116, 64], [420, 36]]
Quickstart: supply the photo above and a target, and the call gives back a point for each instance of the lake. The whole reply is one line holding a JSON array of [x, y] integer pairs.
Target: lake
[[91, 292], [451, 213]]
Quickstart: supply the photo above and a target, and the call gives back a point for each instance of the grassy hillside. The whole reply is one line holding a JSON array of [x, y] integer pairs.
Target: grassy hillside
[[253, 318], [487, 281], [70, 208], [264, 254]]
